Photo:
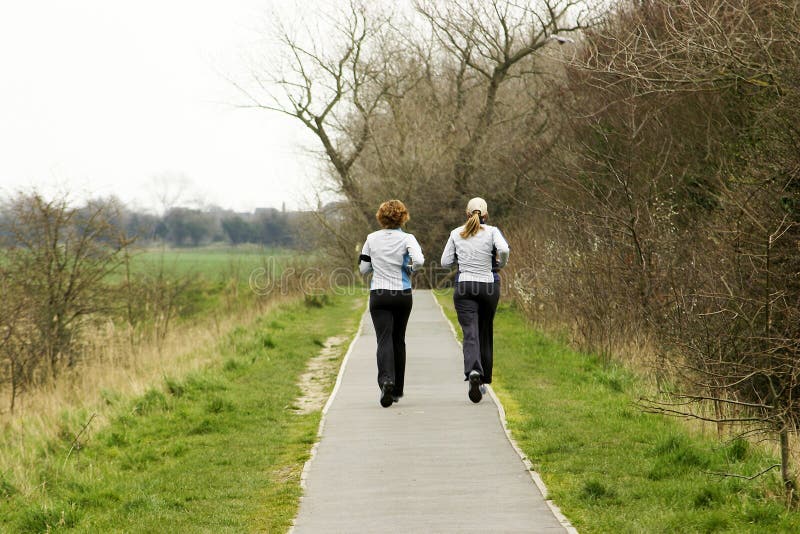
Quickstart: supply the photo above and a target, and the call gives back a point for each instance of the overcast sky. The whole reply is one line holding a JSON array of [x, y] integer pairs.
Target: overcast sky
[[109, 97]]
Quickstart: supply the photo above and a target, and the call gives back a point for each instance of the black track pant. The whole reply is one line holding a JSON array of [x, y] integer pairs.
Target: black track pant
[[476, 303], [390, 310]]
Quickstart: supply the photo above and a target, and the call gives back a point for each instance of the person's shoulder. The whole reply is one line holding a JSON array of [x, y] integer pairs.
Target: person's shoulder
[[498, 237], [456, 231], [375, 234], [493, 229]]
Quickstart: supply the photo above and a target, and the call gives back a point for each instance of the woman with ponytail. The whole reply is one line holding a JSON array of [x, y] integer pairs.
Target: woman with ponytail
[[480, 251]]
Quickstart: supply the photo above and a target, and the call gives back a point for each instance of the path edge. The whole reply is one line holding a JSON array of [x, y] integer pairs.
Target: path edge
[[501, 412], [313, 453]]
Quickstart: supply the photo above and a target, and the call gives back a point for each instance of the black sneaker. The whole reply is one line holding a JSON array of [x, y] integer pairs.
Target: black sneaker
[[386, 394], [475, 394], [396, 398]]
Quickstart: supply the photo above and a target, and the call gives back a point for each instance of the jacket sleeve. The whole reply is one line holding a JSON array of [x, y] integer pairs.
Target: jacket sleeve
[[501, 245], [364, 260], [449, 254], [415, 251]]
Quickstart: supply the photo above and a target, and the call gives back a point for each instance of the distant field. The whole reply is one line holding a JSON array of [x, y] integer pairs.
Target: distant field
[[210, 261], [213, 277]]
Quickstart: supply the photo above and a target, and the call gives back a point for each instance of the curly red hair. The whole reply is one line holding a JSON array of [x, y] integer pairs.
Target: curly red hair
[[392, 214]]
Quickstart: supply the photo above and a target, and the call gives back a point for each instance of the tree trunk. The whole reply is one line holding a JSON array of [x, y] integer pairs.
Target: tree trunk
[[465, 163], [786, 474]]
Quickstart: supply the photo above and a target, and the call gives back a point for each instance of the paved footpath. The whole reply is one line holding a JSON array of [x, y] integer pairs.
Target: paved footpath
[[434, 462]]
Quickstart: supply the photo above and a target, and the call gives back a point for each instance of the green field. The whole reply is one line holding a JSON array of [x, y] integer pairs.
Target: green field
[[611, 467], [219, 450], [209, 264], [212, 279], [212, 262]]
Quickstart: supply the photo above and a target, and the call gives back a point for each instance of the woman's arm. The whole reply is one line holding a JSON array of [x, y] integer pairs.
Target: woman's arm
[[415, 251], [501, 245], [364, 260], [449, 254]]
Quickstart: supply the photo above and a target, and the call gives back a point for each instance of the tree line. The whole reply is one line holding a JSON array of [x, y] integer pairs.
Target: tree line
[[182, 226], [643, 158], [185, 227]]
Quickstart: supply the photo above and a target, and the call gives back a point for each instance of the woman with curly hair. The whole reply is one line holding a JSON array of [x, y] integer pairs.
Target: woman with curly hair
[[480, 251], [391, 255]]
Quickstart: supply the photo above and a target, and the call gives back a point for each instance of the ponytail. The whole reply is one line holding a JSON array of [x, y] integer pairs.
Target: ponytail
[[472, 226]]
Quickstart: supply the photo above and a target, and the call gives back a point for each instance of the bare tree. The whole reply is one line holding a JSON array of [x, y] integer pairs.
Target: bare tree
[[693, 46], [59, 258], [736, 335], [333, 84], [696, 118], [169, 189], [491, 40], [15, 355]]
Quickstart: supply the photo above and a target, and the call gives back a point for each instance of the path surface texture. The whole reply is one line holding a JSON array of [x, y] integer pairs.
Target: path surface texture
[[434, 462]]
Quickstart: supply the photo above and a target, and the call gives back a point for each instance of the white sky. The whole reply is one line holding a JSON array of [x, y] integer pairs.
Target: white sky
[[105, 97]]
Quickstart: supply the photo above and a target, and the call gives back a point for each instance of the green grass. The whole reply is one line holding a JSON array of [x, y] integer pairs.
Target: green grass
[[609, 466], [214, 278], [220, 450], [211, 262]]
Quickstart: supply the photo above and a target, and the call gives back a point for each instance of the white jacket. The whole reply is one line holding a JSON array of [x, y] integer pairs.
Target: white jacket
[[388, 254], [478, 256]]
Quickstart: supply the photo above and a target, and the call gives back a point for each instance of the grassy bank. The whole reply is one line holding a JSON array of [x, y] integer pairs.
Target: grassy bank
[[178, 316], [178, 301], [610, 467], [218, 450]]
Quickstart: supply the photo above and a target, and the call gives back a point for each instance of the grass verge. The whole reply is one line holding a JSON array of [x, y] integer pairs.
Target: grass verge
[[219, 450], [609, 466]]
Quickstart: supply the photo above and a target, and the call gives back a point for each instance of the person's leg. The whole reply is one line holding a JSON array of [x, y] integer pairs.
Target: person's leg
[[401, 310], [382, 319], [489, 297], [467, 310]]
